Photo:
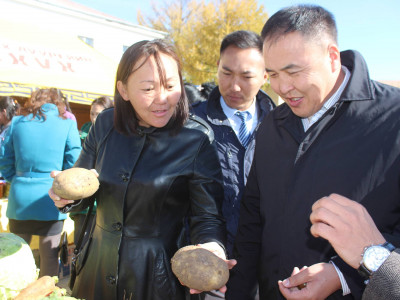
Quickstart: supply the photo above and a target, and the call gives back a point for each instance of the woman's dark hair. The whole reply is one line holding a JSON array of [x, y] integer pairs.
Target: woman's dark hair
[[311, 21], [104, 101], [242, 39], [125, 118], [10, 105], [43, 96]]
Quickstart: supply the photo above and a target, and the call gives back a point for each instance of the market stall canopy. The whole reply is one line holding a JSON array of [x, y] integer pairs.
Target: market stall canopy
[[32, 57]]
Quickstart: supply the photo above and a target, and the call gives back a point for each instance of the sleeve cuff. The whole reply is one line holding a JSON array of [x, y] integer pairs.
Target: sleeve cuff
[[67, 208], [345, 287]]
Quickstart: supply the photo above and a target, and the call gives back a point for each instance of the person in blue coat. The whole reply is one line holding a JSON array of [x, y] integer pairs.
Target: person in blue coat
[[38, 141], [241, 74]]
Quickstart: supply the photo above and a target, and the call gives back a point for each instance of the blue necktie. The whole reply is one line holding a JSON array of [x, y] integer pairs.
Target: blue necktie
[[244, 134]]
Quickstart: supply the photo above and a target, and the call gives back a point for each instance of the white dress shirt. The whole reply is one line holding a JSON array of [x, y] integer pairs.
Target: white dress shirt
[[236, 121], [308, 122]]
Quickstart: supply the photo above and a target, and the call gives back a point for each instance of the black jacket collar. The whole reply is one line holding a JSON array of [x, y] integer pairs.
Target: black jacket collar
[[359, 86]]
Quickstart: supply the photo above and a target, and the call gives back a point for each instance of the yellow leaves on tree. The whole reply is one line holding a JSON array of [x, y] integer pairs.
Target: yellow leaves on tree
[[197, 27]]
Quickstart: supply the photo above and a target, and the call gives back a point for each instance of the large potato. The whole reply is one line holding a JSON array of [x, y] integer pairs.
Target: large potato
[[75, 184], [199, 269]]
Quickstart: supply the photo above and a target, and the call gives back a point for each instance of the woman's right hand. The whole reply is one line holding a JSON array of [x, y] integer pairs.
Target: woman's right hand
[[59, 202]]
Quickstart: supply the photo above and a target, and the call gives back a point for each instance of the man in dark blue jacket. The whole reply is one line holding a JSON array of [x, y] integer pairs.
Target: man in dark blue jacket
[[241, 73], [338, 132]]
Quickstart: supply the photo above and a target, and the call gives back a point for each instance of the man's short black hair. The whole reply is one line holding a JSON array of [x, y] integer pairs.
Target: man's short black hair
[[312, 21], [242, 39]]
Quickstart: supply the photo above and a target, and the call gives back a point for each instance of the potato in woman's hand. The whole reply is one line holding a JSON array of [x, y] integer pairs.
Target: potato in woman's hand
[[200, 269], [75, 184]]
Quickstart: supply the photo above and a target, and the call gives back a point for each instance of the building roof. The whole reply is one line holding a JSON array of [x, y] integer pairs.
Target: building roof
[[395, 83]]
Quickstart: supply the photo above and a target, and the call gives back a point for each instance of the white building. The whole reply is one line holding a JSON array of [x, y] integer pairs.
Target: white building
[[105, 33], [41, 46]]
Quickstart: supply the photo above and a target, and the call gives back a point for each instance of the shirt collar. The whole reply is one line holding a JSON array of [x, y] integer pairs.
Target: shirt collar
[[335, 97], [308, 122], [230, 112]]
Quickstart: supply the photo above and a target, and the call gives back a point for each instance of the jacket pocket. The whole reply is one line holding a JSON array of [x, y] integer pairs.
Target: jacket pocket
[[164, 287]]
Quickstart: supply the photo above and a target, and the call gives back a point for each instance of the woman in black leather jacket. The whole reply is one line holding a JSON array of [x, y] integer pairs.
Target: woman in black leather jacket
[[157, 168]]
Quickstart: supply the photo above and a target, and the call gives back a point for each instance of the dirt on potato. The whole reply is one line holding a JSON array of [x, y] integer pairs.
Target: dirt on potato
[[199, 269], [75, 184]]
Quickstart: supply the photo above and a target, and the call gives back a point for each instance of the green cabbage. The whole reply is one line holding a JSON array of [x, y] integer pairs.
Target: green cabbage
[[55, 297], [17, 265]]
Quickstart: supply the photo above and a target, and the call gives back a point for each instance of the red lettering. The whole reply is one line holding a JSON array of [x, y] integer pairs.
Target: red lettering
[[45, 65], [22, 49], [16, 60], [78, 58], [66, 67], [59, 55], [32, 51]]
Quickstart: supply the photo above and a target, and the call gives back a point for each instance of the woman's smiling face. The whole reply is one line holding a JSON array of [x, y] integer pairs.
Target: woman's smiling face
[[153, 103]]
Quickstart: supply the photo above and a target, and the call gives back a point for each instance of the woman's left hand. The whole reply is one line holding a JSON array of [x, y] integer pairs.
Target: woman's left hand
[[58, 202], [218, 251]]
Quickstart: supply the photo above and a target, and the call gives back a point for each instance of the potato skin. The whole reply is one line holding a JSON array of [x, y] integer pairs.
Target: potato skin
[[75, 184], [200, 269]]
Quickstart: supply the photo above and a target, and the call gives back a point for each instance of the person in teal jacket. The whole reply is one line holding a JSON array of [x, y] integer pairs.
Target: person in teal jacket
[[8, 109], [38, 141]]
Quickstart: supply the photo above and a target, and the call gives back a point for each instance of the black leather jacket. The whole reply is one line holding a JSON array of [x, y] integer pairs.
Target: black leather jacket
[[149, 183]]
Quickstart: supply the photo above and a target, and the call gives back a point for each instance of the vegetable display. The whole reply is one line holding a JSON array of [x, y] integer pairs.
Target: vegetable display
[[17, 265], [18, 273]]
